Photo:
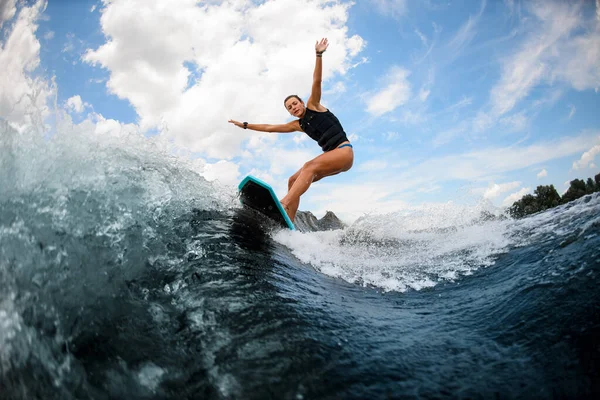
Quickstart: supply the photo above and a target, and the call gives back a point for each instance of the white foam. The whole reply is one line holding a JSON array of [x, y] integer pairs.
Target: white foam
[[415, 249]]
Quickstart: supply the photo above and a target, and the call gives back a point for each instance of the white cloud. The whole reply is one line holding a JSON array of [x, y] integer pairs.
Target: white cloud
[[49, 35], [226, 172], [396, 92], [483, 164], [337, 88], [550, 53], [76, 105], [486, 162], [7, 10], [282, 160], [494, 190], [423, 38], [110, 127], [21, 96], [542, 174], [508, 201], [350, 201], [390, 8], [580, 61], [355, 45], [463, 36], [571, 111], [424, 94], [392, 188], [246, 61], [587, 158]]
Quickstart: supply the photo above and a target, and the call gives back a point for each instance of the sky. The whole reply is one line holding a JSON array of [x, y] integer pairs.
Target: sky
[[444, 101]]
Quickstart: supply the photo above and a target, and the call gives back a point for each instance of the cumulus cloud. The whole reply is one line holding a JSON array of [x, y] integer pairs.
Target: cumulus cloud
[[509, 200], [542, 174], [495, 190], [7, 10], [76, 105], [225, 172], [244, 62], [108, 126], [587, 158], [395, 93]]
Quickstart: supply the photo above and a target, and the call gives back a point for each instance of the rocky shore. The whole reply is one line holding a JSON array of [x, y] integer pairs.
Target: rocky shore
[[305, 221]]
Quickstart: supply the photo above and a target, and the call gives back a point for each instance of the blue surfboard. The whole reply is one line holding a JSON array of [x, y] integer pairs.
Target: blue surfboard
[[259, 196]]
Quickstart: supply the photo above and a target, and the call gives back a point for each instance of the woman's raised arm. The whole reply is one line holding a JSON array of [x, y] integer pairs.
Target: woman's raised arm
[[315, 95]]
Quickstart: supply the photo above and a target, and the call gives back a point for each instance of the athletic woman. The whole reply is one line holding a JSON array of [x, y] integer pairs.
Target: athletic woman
[[321, 125]]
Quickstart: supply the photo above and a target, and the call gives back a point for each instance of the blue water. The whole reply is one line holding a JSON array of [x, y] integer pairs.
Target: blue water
[[125, 275]]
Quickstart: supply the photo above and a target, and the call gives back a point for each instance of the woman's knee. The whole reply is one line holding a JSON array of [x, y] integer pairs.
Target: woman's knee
[[309, 166], [291, 181], [350, 164]]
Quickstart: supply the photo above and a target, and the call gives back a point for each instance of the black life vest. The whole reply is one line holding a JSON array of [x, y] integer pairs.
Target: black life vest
[[324, 127]]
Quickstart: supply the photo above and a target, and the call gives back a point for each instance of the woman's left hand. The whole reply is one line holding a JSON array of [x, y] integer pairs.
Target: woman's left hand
[[322, 45], [236, 123]]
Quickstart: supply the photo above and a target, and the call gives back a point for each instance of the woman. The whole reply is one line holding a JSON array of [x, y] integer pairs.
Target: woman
[[321, 125]]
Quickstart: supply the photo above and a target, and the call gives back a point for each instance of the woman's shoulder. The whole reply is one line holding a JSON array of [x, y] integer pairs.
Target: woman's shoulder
[[316, 108]]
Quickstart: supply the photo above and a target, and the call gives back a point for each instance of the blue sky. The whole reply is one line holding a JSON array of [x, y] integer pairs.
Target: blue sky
[[444, 101]]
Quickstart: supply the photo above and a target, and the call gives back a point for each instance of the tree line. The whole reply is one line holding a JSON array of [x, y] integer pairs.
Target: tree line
[[545, 197]]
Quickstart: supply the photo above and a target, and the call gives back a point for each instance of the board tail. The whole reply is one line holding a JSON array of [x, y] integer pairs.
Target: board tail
[[259, 195]]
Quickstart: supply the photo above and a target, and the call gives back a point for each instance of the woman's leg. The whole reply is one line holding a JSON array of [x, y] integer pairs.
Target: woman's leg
[[327, 164]]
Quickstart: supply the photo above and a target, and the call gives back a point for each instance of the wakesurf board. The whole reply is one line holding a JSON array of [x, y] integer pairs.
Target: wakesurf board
[[259, 196]]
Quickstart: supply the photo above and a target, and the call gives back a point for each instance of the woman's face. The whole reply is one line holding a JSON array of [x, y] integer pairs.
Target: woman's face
[[295, 107]]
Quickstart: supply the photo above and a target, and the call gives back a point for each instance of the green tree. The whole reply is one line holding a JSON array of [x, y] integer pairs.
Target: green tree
[[590, 186], [547, 197], [576, 190], [527, 205]]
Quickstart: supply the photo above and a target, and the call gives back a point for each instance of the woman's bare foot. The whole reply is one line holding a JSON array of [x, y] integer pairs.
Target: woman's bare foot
[[287, 211]]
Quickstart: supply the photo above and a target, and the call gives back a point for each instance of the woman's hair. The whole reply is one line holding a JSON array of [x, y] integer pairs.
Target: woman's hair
[[290, 96]]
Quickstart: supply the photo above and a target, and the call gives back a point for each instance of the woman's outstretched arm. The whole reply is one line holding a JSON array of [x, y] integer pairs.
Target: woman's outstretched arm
[[291, 126], [315, 95]]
